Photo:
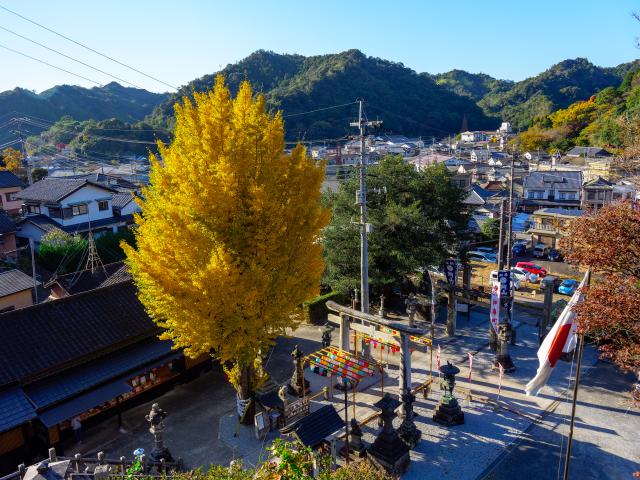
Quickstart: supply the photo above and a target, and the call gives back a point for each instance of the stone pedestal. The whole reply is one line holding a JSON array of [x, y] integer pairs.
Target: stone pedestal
[[356, 446], [408, 432], [388, 450], [448, 411], [502, 355]]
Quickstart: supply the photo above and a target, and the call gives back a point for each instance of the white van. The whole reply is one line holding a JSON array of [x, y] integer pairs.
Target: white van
[[514, 279]]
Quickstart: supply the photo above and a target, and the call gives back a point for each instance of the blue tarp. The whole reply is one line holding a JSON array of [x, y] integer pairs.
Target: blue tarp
[[15, 408], [84, 402]]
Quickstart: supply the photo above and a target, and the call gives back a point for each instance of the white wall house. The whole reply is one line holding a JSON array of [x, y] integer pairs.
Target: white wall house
[[481, 155], [69, 204], [472, 136]]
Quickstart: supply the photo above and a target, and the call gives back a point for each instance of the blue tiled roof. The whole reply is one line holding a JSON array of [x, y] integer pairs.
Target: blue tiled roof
[[15, 408], [80, 379], [562, 211]]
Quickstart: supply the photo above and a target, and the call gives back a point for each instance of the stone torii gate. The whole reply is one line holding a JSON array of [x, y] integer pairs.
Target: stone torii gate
[[409, 432]]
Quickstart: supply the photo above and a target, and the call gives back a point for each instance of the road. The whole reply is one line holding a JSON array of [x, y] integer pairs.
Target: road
[[605, 442]]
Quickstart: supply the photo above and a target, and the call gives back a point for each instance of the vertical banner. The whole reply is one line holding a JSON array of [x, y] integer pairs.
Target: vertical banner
[[494, 314], [470, 365], [501, 374], [451, 270], [438, 359], [433, 298], [506, 286]]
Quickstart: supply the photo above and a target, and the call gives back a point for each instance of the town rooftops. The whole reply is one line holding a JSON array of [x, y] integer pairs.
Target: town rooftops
[[14, 281], [56, 189], [568, 179], [598, 182], [6, 225], [559, 212], [120, 200], [8, 179]]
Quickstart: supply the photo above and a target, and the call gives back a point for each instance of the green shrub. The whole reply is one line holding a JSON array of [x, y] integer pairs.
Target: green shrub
[[315, 311], [61, 252]]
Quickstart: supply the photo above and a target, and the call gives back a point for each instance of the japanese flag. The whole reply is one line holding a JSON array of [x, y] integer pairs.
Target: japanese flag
[[561, 339]]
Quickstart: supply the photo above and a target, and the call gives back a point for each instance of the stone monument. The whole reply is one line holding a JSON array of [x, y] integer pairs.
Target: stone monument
[[408, 432], [388, 450]]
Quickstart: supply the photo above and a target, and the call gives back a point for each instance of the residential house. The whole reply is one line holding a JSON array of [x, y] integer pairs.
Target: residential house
[[596, 194], [549, 225], [471, 137], [624, 190], [16, 290], [70, 204], [480, 155], [588, 152], [7, 238], [461, 177], [505, 127], [10, 186], [552, 189]]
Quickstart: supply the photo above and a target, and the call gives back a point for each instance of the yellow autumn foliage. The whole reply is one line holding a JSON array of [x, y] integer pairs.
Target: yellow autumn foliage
[[10, 159], [228, 239]]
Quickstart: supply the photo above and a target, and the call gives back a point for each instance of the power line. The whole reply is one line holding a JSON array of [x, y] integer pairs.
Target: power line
[[49, 64], [88, 48], [69, 57], [318, 110]]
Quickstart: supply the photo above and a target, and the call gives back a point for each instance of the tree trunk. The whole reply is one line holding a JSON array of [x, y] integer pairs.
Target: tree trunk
[[245, 393]]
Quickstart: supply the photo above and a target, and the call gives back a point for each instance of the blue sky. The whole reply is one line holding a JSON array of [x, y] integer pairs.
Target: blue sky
[[177, 41]]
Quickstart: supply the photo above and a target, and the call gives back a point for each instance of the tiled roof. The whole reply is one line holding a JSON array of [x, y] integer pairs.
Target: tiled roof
[[8, 179], [79, 282], [15, 410], [79, 379], [14, 281], [43, 222], [588, 152], [6, 224], [569, 179], [55, 335], [560, 211], [121, 199], [51, 189]]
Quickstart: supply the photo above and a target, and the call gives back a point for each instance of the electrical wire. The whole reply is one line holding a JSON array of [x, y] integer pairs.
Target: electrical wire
[[87, 48], [318, 110], [49, 64], [69, 57]]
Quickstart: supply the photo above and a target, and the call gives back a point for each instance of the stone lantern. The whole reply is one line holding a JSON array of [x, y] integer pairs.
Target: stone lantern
[[388, 450], [448, 411], [156, 426], [298, 384], [412, 306]]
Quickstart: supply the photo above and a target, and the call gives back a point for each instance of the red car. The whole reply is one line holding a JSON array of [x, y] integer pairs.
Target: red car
[[532, 268]]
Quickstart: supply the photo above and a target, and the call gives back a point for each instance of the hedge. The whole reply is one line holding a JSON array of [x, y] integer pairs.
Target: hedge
[[315, 310]]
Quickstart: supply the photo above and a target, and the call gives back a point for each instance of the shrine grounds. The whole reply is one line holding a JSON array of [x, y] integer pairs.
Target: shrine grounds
[[508, 436]]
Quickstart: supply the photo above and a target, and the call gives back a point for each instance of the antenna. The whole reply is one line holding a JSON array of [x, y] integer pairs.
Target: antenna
[[93, 259]]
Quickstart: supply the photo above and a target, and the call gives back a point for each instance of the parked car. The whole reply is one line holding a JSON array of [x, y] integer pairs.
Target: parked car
[[541, 250], [568, 286], [555, 255], [532, 268], [493, 277], [482, 256], [520, 274], [518, 249]]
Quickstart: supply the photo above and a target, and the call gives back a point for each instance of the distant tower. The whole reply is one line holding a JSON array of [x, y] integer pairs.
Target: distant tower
[[465, 126]]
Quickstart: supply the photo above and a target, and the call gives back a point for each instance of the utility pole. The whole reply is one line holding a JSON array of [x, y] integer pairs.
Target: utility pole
[[23, 149], [513, 159], [361, 201], [33, 270]]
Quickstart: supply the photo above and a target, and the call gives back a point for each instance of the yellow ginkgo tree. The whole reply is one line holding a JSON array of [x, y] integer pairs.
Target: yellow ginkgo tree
[[228, 238]]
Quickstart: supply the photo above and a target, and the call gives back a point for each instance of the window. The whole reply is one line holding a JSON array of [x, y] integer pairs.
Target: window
[[11, 196], [79, 209], [33, 208], [103, 205], [562, 196], [591, 195], [55, 212]]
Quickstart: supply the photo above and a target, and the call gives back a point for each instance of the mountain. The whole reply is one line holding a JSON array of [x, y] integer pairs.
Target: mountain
[[407, 102], [608, 119], [476, 86], [97, 103], [558, 87]]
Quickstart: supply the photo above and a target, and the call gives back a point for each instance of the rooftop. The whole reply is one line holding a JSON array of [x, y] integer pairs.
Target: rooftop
[[6, 224], [559, 212], [53, 190], [14, 281], [8, 179], [569, 179]]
